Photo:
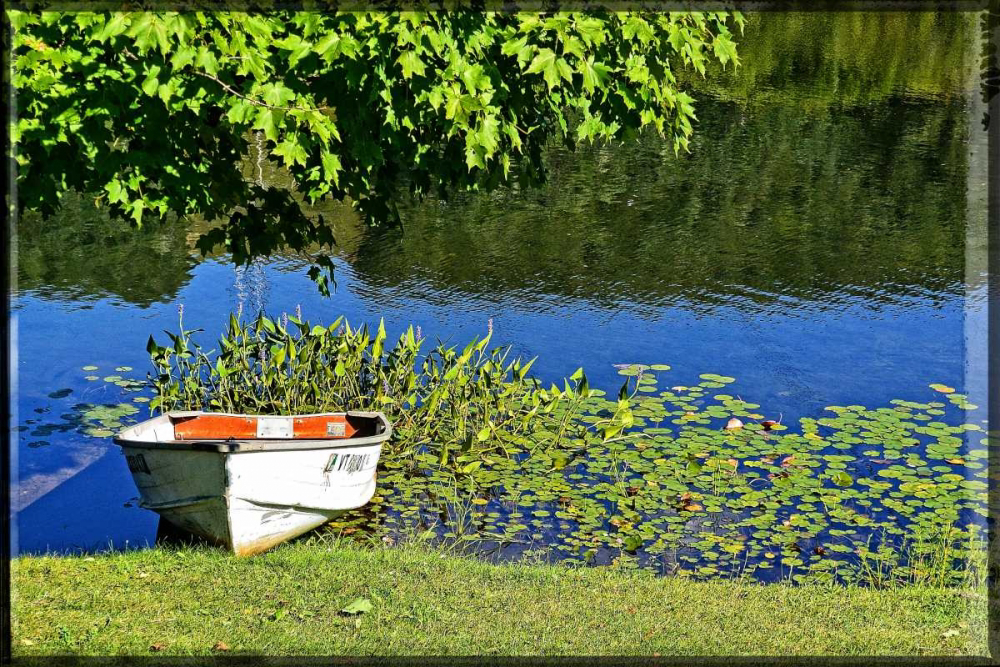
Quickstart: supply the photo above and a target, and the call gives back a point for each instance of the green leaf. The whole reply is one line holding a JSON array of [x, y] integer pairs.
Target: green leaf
[[331, 166], [291, 152], [489, 134], [330, 47], [565, 71], [276, 94], [411, 64], [116, 191], [207, 61], [595, 75], [183, 57], [841, 478], [268, 120], [152, 82], [475, 79], [592, 30], [239, 112], [358, 606], [297, 46], [725, 49], [114, 27], [513, 46], [545, 62]]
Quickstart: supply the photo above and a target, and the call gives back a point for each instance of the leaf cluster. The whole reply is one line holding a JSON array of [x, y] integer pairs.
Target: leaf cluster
[[153, 112]]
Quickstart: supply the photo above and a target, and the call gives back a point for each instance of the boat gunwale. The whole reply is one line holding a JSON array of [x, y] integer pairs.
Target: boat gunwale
[[233, 445]]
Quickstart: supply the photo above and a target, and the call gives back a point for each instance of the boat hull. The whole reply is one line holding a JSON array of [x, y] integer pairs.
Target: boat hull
[[249, 500]]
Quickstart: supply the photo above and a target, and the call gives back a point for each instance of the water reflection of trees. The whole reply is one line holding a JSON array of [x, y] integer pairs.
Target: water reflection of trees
[[832, 161], [770, 200], [847, 58], [80, 253]]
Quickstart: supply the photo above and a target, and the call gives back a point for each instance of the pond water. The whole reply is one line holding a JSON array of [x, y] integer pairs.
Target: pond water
[[813, 245]]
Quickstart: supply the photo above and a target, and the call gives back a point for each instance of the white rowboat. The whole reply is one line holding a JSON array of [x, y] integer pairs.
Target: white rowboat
[[250, 482]]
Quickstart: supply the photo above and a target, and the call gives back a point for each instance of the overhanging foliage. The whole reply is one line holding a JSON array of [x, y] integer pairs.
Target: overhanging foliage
[[155, 111]]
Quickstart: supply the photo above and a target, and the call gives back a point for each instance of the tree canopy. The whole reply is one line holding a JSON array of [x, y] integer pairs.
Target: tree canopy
[[154, 113]]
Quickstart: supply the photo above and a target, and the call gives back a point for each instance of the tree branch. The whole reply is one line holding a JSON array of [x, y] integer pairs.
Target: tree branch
[[251, 100]]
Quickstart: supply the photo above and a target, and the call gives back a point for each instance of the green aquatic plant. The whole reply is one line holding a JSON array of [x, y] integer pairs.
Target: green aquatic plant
[[878, 496], [682, 479], [449, 407]]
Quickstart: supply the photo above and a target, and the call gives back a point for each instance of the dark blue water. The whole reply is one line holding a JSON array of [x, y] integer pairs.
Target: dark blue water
[[812, 245]]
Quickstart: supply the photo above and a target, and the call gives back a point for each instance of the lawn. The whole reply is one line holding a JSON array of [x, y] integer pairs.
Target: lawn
[[424, 601]]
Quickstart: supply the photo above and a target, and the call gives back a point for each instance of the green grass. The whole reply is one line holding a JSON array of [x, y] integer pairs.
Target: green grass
[[430, 602]]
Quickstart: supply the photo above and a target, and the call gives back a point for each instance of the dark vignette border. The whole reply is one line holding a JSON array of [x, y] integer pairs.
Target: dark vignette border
[[989, 69], [6, 284], [230, 660], [504, 5], [990, 84]]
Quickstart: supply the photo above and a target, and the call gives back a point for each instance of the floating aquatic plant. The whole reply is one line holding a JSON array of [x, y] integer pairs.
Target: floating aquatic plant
[[872, 495], [685, 480]]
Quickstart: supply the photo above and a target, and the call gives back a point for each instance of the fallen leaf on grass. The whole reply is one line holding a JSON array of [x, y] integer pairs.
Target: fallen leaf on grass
[[359, 606], [220, 646], [158, 646]]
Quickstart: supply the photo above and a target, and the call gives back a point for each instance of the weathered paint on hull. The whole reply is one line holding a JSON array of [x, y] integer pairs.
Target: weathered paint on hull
[[251, 501]]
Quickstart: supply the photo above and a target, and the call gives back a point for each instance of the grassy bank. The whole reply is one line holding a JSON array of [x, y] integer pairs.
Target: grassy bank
[[427, 602]]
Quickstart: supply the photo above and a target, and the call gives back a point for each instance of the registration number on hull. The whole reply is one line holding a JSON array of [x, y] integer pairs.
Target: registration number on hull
[[347, 463]]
